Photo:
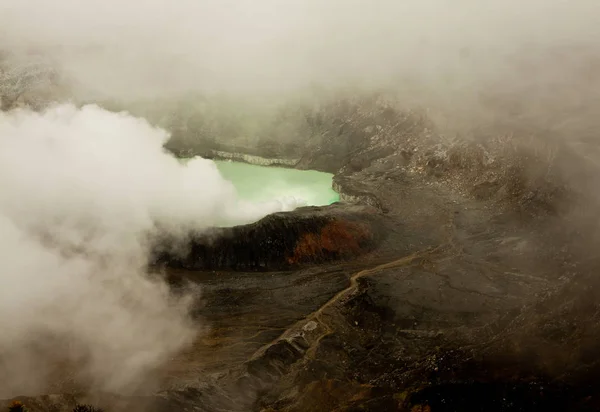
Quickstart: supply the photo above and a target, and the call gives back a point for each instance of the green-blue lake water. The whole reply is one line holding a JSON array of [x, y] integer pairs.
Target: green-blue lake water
[[262, 183]]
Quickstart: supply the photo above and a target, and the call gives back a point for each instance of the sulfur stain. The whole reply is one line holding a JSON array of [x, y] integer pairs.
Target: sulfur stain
[[336, 239]]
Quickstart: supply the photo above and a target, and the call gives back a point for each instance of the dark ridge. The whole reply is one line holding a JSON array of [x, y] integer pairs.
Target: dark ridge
[[281, 241]]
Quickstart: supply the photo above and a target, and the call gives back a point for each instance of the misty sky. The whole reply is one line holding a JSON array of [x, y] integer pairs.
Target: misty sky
[[140, 46]]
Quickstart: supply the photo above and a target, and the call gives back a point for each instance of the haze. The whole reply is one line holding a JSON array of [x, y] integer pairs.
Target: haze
[[157, 46], [469, 62]]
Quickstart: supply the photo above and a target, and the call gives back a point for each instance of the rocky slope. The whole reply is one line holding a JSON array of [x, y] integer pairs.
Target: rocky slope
[[461, 279]]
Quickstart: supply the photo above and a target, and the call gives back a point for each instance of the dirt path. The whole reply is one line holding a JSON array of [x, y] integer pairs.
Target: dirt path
[[316, 316]]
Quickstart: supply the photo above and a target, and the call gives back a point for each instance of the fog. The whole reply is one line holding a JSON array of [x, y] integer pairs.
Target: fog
[[82, 188], [470, 63], [153, 47], [83, 192]]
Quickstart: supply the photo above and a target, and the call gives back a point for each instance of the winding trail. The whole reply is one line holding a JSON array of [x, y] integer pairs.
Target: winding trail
[[349, 290]]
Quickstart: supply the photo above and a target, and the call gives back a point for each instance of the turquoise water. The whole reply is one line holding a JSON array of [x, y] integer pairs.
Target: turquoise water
[[262, 183]]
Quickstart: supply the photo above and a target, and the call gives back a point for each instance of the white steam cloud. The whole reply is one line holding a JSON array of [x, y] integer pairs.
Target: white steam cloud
[[82, 189]]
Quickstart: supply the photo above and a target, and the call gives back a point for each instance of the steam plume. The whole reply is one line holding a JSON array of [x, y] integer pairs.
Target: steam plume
[[82, 189]]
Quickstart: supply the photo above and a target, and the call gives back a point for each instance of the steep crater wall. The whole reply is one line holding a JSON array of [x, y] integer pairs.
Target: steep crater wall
[[280, 241], [368, 137]]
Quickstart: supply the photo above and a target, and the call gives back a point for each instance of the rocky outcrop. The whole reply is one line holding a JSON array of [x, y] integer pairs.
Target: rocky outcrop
[[283, 241]]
